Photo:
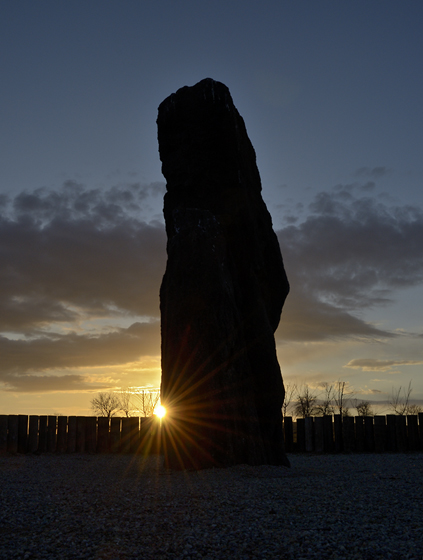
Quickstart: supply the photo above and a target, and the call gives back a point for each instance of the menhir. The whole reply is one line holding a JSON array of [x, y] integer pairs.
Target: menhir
[[223, 290]]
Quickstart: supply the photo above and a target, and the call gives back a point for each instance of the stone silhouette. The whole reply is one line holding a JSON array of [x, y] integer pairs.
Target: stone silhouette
[[223, 290]]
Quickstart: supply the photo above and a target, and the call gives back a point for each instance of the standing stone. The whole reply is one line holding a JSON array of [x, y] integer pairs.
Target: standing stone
[[223, 290]]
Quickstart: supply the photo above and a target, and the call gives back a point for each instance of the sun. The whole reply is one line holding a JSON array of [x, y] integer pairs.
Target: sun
[[160, 411]]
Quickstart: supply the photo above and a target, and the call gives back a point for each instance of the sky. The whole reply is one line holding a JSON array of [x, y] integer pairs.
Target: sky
[[331, 93]]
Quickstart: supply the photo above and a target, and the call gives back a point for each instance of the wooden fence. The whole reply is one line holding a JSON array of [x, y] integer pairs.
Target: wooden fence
[[348, 434], [78, 434], [320, 434]]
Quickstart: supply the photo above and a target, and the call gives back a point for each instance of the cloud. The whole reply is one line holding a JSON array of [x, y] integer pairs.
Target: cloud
[[50, 351], [74, 201], [373, 172], [369, 364], [350, 254], [77, 252], [49, 383], [81, 271], [74, 257], [370, 391], [306, 318]]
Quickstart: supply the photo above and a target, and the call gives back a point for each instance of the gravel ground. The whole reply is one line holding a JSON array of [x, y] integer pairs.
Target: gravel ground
[[123, 507]]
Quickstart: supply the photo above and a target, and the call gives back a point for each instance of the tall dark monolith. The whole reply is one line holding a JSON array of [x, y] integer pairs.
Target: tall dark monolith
[[223, 290]]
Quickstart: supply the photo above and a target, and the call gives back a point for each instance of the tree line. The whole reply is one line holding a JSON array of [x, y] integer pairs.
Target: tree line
[[300, 401], [338, 398], [133, 401]]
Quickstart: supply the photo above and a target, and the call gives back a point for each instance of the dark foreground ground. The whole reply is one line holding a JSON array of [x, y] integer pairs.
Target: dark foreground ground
[[119, 507]]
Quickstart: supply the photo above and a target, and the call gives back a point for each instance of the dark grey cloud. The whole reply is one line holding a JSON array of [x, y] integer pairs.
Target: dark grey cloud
[[75, 202], [47, 351], [22, 360], [71, 255], [351, 253], [76, 254], [77, 249]]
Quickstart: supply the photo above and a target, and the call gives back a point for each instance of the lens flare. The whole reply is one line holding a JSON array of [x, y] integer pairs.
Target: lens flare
[[160, 411]]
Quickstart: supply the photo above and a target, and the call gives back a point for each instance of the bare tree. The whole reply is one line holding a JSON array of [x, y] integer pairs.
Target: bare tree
[[125, 402], [290, 390], [364, 408], [105, 404], [401, 404], [325, 406], [414, 409], [398, 403], [146, 400], [305, 404], [341, 397]]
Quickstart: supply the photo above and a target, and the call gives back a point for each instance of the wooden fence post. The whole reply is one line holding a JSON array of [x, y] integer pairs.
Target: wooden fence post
[[337, 426], [80, 434], [90, 434], [134, 423], [328, 434], [318, 434], [146, 440], [48, 433], [412, 433], [51, 434], [308, 425], [380, 434], [3, 433], [22, 433], [288, 434], [71, 445], [401, 434], [12, 436], [42, 436], [125, 442], [301, 445], [391, 432], [33, 434], [348, 434], [62, 426], [103, 440], [359, 434], [115, 434], [369, 440]]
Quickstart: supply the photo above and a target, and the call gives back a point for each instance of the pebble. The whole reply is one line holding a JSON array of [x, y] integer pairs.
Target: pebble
[[108, 507]]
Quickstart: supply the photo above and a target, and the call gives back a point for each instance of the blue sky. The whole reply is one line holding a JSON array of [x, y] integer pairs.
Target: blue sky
[[331, 96]]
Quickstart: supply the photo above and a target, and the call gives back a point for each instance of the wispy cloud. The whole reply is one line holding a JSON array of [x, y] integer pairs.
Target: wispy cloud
[[370, 364], [49, 383]]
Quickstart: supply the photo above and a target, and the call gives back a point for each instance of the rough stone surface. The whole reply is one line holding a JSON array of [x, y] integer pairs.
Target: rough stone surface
[[223, 290]]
